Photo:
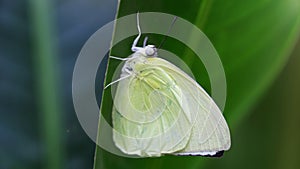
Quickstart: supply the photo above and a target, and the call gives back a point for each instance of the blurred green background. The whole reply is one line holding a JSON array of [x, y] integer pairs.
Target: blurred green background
[[257, 43]]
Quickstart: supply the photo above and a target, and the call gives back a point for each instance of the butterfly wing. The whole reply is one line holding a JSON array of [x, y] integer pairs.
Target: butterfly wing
[[210, 133], [148, 118], [161, 110]]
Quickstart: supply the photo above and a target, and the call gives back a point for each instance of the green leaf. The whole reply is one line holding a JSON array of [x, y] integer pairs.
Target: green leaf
[[253, 39]]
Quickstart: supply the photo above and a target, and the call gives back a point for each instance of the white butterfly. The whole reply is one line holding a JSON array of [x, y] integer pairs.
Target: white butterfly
[[159, 109]]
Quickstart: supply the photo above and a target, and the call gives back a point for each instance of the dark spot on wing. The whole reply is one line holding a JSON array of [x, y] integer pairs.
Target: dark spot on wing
[[218, 154]]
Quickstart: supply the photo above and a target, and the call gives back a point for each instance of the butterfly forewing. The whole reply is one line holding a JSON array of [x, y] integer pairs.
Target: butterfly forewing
[[148, 116]]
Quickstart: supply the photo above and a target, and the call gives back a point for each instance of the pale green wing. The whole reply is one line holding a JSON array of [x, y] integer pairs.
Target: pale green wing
[[210, 133], [148, 118]]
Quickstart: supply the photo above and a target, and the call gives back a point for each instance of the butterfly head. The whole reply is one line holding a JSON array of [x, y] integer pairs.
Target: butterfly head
[[150, 51]]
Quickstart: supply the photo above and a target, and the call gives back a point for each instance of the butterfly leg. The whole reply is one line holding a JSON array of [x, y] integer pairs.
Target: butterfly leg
[[122, 78], [118, 58]]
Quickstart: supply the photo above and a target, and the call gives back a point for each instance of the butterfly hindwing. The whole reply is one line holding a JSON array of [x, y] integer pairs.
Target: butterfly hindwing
[[210, 132]]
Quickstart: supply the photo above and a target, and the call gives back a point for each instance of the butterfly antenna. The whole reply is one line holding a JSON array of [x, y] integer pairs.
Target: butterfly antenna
[[134, 48], [169, 30], [145, 41]]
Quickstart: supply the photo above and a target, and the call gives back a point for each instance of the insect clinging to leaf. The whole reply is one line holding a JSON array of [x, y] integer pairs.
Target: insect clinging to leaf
[[159, 109]]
